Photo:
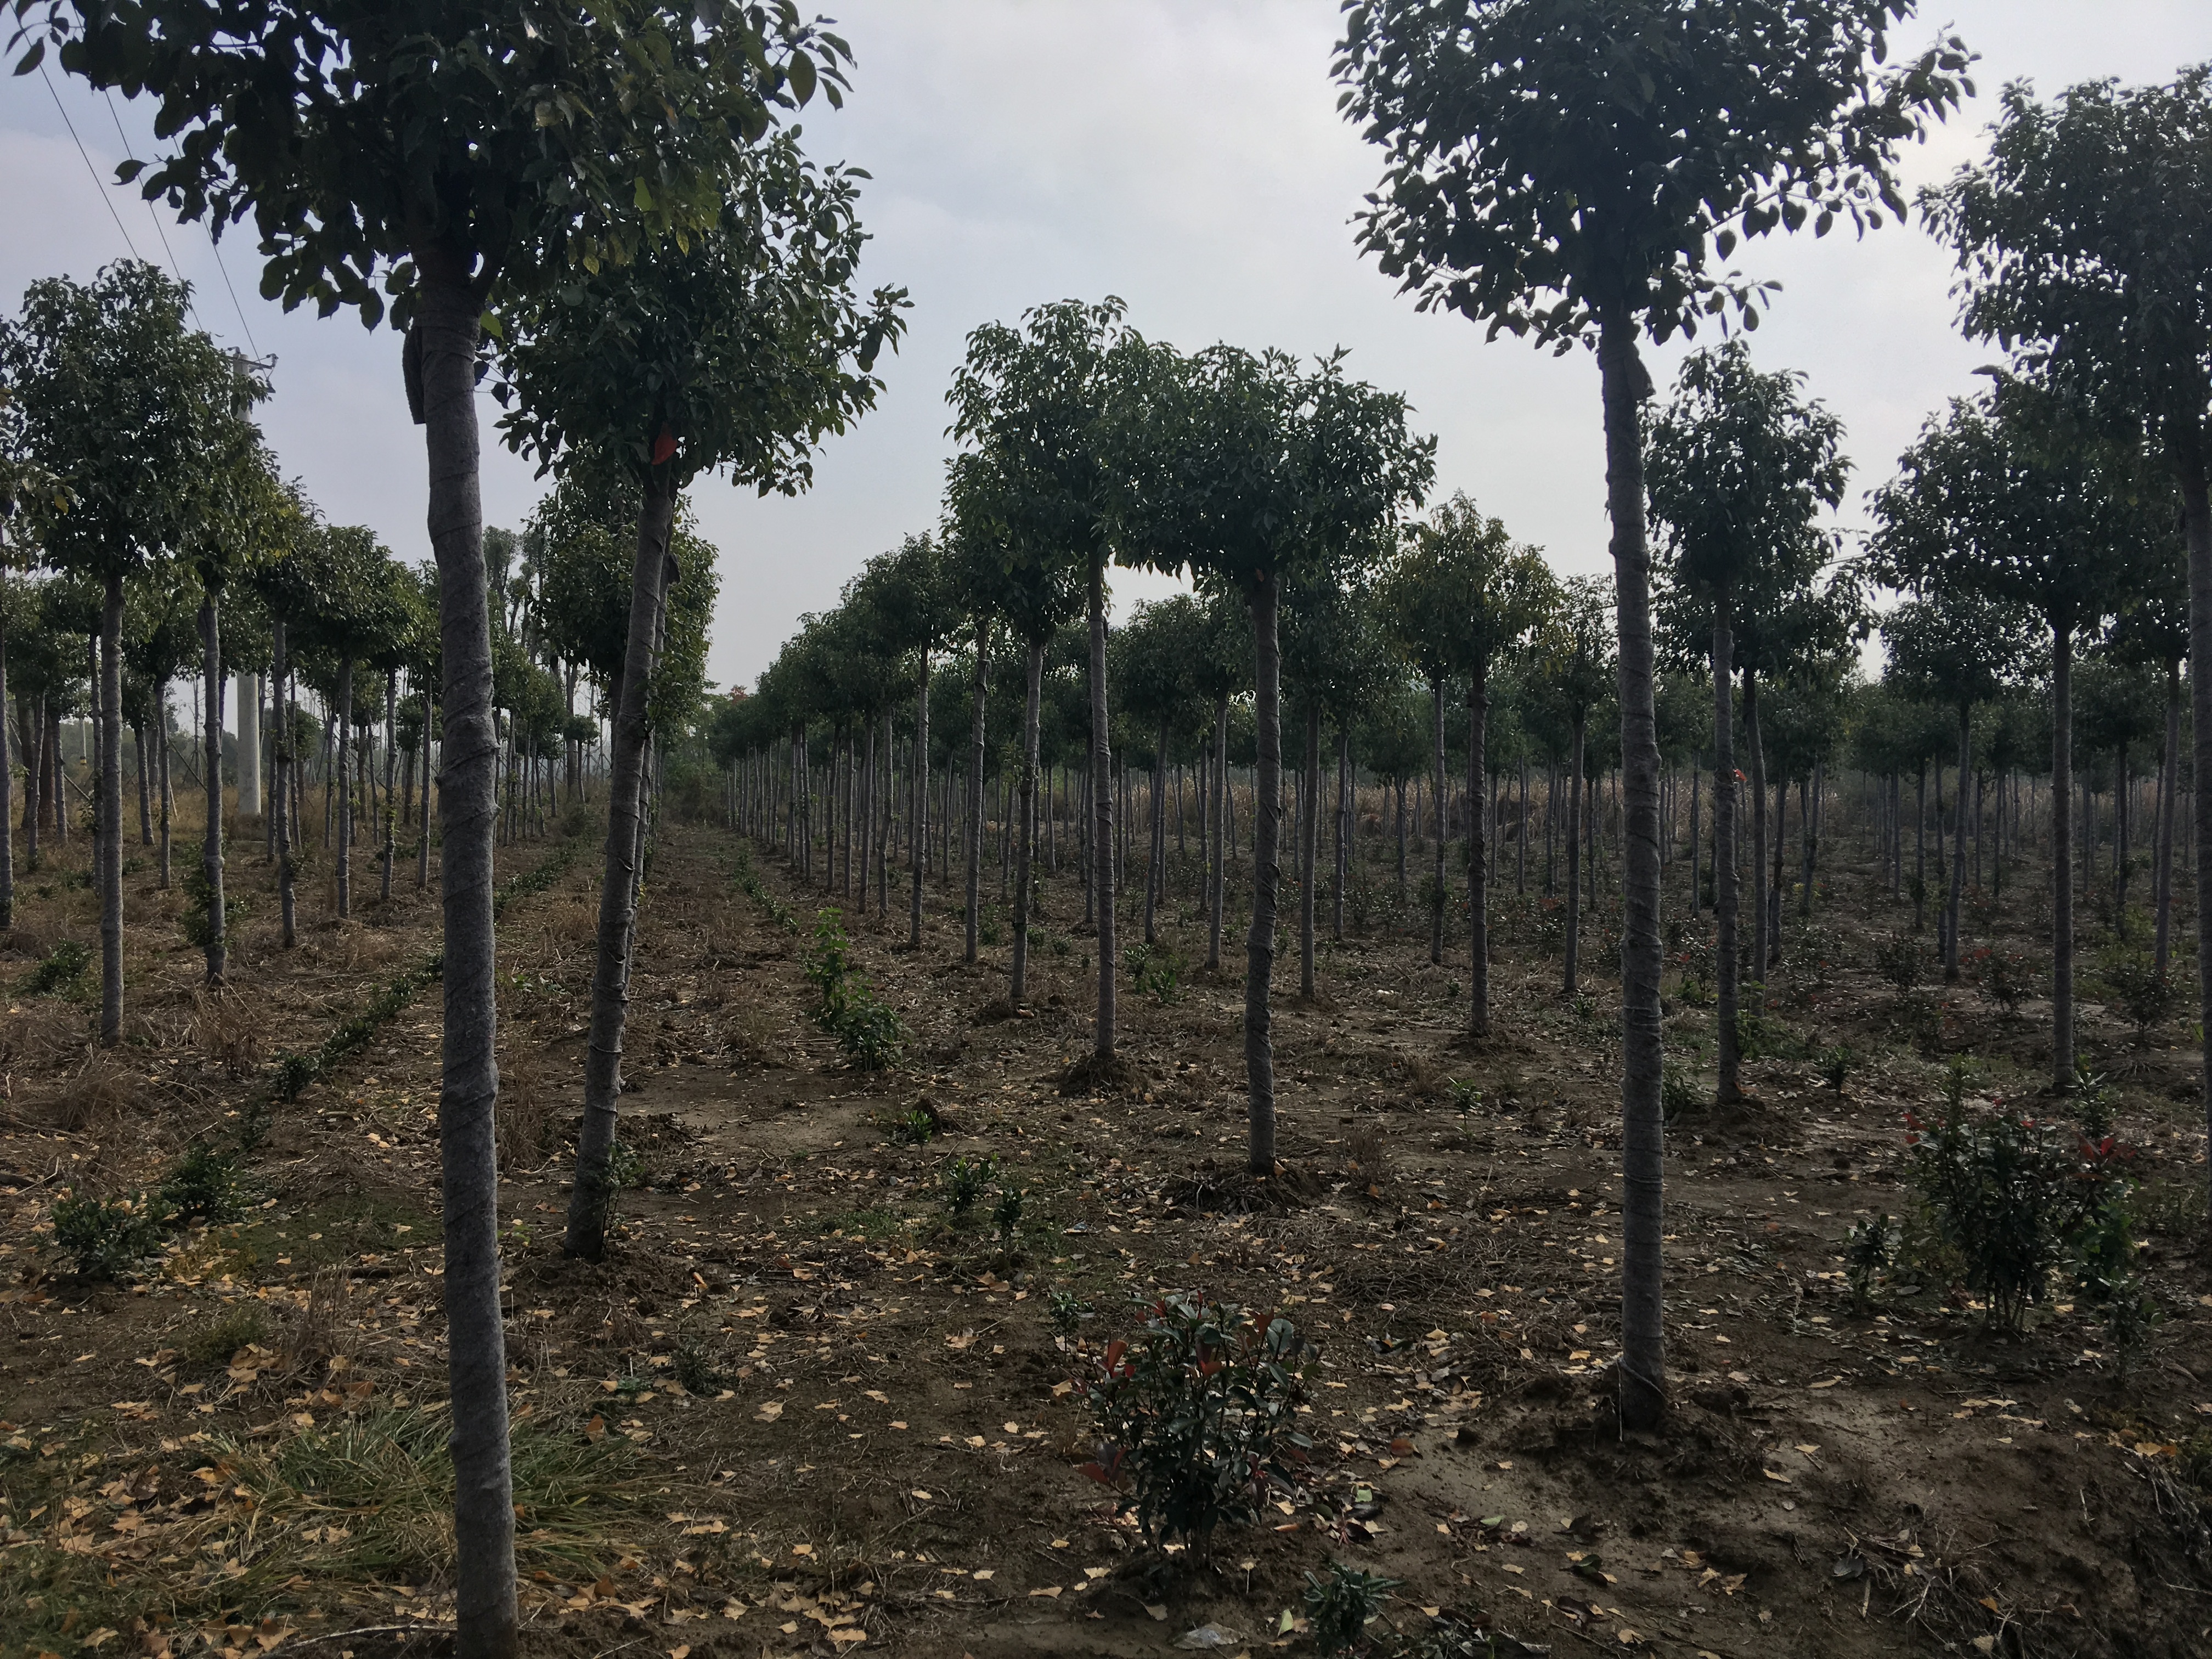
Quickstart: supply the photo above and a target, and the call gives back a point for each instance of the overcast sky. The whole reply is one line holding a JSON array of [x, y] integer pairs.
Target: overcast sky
[[1185, 155]]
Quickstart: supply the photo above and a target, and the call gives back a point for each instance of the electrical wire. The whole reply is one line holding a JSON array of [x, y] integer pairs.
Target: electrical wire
[[88, 167], [214, 246]]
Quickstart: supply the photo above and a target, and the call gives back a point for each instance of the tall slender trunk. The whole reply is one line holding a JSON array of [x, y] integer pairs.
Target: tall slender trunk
[[211, 843], [1266, 812], [6, 801], [1478, 859], [1309, 837], [1032, 689], [1755, 746], [2169, 782], [280, 781], [33, 720], [1576, 787], [1102, 814], [1156, 863], [1342, 836], [975, 789], [249, 746], [1697, 829], [390, 762], [1436, 888], [108, 847], [144, 769], [168, 793], [445, 342], [1642, 1330], [2062, 850], [1218, 804], [1774, 886], [918, 827], [2197, 529], [342, 762], [1809, 796], [422, 824], [1959, 843]]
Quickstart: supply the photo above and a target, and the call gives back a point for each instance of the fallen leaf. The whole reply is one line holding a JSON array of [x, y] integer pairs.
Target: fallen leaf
[[768, 1412]]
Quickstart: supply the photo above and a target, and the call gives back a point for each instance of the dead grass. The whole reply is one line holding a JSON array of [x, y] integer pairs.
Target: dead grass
[[96, 1099], [227, 1028]]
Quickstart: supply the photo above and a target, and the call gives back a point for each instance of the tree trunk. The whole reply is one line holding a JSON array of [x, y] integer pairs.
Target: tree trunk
[[249, 746], [1756, 746], [1309, 838], [1643, 1331], [2169, 782], [975, 791], [1576, 787], [422, 824], [6, 802], [1952, 905], [1024, 859], [1436, 889], [211, 843], [2061, 853], [1808, 800], [390, 764], [108, 847], [1341, 838], [145, 768], [280, 781], [918, 827], [32, 713], [168, 793], [1101, 816], [342, 764], [1266, 811], [1477, 860], [1156, 864], [484, 1500], [1218, 804], [2197, 529]]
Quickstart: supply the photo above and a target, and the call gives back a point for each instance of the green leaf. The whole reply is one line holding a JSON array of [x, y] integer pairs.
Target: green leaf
[[801, 71], [642, 197]]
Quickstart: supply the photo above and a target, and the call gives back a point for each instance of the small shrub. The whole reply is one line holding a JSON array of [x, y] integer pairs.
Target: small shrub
[[1466, 1095], [1901, 962], [204, 1186], [107, 1238], [1868, 1248], [2009, 1194], [59, 970], [962, 1181], [2104, 1274], [696, 1368], [1066, 1311], [2095, 1100], [917, 1128], [1006, 1213], [2006, 977], [1339, 1603], [1197, 1415], [870, 1031], [1155, 970], [240, 1325], [1835, 1064], [198, 896], [1679, 1093], [2146, 995]]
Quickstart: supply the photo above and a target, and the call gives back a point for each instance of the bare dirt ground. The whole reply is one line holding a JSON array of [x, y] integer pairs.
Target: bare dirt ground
[[802, 1407]]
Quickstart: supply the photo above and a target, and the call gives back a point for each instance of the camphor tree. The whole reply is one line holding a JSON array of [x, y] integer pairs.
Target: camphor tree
[[1040, 397], [1565, 171], [1037, 588], [30, 495], [740, 349], [1953, 646], [2084, 241], [1460, 598], [144, 423], [1739, 467], [427, 156], [1251, 473], [1572, 658], [2012, 499]]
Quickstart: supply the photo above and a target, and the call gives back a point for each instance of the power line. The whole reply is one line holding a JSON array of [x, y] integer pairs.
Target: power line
[[160, 230], [88, 167]]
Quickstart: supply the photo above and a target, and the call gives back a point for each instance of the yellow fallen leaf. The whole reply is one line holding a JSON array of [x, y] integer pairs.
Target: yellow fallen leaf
[[1049, 1589], [768, 1412], [1771, 1475]]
